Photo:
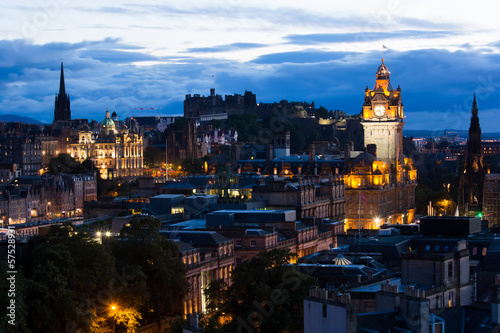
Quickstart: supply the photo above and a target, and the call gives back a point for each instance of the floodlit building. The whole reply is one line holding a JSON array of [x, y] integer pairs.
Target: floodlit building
[[380, 182]]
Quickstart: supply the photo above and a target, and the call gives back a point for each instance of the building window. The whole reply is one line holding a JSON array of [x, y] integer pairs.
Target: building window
[[485, 249], [253, 243], [238, 242], [450, 269], [238, 261], [474, 251]]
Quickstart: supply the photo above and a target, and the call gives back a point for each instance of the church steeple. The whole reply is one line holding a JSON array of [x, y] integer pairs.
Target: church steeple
[[62, 109], [62, 88]]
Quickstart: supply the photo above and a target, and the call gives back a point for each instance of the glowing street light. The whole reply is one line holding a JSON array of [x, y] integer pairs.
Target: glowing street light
[[113, 309]]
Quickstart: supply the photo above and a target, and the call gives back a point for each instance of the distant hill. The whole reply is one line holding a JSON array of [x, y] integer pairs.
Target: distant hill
[[12, 118]]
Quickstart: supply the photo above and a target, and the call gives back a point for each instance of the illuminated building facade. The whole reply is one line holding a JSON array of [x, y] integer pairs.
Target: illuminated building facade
[[380, 183], [117, 151]]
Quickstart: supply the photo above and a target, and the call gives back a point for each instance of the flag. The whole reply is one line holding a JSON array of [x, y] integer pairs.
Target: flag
[[384, 47], [363, 198]]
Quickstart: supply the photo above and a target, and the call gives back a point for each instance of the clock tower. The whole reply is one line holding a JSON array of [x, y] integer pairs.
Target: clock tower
[[383, 118]]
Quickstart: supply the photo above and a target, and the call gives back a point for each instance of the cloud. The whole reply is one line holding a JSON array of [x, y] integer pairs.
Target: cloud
[[114, 56], [437, 85], [225, 48], [357, 37], [306, 56]]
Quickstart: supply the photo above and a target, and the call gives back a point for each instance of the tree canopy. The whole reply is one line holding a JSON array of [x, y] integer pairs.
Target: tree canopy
[[72, 282], [143, 248], [266, 295]]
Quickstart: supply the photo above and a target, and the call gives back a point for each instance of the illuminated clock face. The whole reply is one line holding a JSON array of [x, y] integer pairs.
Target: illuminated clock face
[[379, 110]]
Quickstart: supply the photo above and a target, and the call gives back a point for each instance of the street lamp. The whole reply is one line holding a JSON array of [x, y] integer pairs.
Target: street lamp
[[113, 309]]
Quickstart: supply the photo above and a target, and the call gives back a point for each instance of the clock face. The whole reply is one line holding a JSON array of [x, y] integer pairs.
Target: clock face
[[379, 110]]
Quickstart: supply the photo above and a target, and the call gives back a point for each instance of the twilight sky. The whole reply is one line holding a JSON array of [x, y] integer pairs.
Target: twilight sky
[[150, 54]]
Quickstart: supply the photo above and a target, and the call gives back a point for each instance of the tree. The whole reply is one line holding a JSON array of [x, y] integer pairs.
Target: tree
[[63, 163], [64, 271], [152, 156], [265, 294], [15, 313], [143, 247], [247, 125], [193, 165], [322, 112]]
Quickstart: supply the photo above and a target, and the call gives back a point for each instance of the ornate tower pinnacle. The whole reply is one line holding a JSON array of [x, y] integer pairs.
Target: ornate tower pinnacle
[[473, 168], [474, 107]]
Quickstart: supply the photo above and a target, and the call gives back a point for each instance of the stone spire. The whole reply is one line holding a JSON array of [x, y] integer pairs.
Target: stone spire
[[62, 87], [62, 110]]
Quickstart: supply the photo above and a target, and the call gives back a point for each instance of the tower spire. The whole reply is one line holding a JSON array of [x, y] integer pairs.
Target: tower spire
[[62, 88], [62, 110], [474, 107]]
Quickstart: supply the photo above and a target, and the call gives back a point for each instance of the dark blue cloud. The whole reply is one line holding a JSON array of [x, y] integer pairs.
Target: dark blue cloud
[[437, 84]]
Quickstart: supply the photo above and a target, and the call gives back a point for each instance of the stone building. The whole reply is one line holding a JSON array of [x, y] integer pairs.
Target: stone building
[[208, 257], [491, 199], [380, 183], [117, 151], [33, 199], [22, 147], [439, 270], [309, 196]]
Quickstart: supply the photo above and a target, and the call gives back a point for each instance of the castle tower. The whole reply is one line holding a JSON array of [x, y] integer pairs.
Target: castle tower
[[62, 109], [383, 118], [473, 168]]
